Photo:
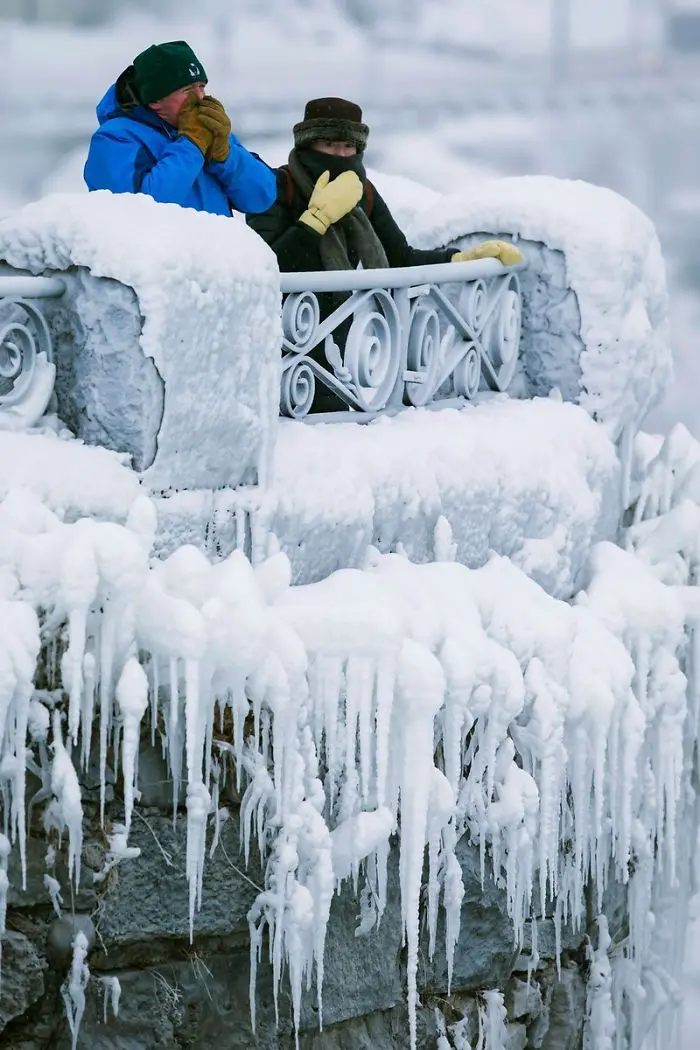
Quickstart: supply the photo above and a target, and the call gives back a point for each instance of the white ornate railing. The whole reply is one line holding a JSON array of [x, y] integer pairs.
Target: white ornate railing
[[411, 336], [27, 372]]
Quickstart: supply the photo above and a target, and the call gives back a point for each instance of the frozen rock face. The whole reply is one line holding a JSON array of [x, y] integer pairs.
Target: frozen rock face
[[168, 341], [174, 994], [551, 344], [107, 391]]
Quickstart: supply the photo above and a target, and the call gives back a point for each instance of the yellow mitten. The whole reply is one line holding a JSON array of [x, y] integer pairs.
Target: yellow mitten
[[330, 201], [190, 125], [504, 251], [213, 116]]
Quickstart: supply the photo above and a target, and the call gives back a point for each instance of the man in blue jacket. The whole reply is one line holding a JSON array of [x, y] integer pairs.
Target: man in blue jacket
[[162, 135]]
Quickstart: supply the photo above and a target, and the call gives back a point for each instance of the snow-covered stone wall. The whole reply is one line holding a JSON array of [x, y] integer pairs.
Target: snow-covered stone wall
[[595, 322], [168, 338], [417, 771]]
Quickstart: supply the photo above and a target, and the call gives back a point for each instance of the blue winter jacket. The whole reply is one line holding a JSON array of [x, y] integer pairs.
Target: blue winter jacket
[[134, 151]]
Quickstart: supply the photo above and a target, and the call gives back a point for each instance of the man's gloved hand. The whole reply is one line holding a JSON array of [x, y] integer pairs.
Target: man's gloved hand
[[504, 251], [330, 201], [190, 125], [213, 116]]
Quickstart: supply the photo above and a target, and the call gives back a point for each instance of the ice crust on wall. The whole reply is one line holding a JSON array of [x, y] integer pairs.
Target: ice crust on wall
[[613, 264], [208, 295], [339, 488], [425, 701]]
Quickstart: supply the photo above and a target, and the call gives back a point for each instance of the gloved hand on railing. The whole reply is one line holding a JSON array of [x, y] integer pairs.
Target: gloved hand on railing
[[331, 201], [213, 116], [504, 251], [190, 125]]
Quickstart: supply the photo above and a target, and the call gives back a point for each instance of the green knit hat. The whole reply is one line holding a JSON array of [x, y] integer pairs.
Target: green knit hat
[[164, 68]]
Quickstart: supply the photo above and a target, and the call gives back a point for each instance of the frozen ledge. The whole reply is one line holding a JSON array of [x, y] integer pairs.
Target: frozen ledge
[[478, 480], [168, 335]]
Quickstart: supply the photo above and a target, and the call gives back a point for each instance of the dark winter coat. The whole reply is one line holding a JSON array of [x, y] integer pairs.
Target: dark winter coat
[[297, 246]]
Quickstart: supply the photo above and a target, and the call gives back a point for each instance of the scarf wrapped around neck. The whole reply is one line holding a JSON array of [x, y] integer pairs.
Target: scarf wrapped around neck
[[354, 231]]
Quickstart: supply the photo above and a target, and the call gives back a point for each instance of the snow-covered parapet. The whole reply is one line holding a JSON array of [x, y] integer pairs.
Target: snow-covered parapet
[[167, 339], [594, 293]]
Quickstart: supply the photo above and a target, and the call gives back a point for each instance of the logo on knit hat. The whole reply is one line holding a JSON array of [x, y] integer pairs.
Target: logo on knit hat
[[194, 71]]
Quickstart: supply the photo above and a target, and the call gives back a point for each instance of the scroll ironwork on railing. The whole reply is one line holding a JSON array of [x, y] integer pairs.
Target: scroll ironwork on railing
[[27, 372], [409, 336]]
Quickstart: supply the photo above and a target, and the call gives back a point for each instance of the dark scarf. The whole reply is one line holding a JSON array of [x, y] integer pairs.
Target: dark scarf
[[355, 230]]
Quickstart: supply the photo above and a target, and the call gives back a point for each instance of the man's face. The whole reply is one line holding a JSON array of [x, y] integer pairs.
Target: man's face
[[169, 108], [335, 149]]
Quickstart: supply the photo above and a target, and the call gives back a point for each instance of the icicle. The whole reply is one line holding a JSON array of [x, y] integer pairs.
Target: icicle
[[421, 685], [155, 694], [132, 697], [4, 888], [88, 705], [73, 988], [54, 890], [111, 991], [453, 897], [79, 581], [198, 809], [66, 789], [493, 1032], [600, 1023]]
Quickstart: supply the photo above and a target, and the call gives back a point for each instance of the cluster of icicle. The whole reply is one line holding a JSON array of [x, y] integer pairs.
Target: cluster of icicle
[[431, 701]]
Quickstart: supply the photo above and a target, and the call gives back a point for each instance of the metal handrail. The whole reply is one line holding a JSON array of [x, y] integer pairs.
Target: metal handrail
[[28, 287], [393, 277], [397, 337]]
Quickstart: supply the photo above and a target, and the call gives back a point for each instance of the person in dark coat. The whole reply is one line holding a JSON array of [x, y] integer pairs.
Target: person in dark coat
[[328, 216]]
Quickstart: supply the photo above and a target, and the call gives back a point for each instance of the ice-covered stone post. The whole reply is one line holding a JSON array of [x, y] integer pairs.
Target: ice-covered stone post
[[166, 341]]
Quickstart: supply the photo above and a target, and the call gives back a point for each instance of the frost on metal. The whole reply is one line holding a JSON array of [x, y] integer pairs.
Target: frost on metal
[[404, 340]]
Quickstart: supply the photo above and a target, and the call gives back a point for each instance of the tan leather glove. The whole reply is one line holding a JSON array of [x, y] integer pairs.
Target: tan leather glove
[[190, 125], [330, 201], [504, 251], [213, 116]]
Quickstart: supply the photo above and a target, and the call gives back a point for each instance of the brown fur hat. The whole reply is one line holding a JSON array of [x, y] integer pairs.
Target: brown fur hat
[[334, 119]]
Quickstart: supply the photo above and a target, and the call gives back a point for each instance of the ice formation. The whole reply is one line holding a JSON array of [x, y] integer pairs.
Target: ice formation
[[544, 703], [613, 263], [73, 988], [192, 308], [429, 699]]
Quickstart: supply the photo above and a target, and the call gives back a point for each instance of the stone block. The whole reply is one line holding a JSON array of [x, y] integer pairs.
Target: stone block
[[22, 982]]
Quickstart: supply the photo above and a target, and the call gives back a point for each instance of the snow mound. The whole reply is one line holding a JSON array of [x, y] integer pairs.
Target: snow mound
[[69, 478], [613, 264], [489, 471], [207, 308]]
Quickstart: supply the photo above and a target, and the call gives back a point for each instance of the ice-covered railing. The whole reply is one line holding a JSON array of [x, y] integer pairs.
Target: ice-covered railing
[[410, 335], [27, 371]]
